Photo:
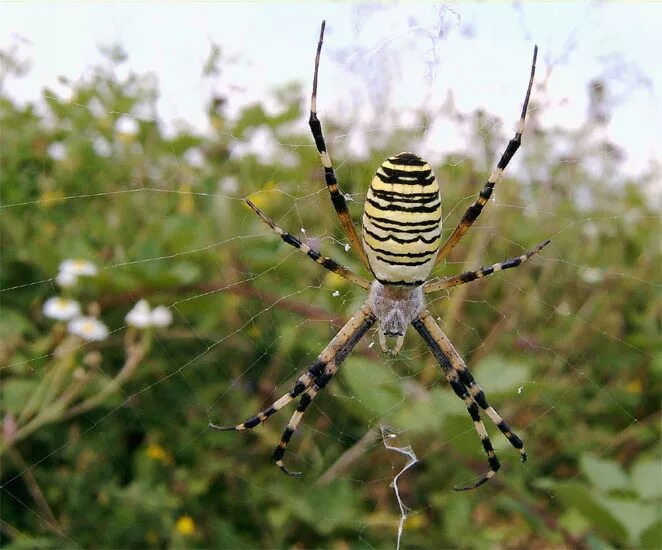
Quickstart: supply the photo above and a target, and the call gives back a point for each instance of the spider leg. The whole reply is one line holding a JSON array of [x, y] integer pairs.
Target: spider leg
[[302, 383], [476, 208], [458, 365], [309, 383], [337, 198], [469, 276], [327, 263], [306, 399], [465, 387]]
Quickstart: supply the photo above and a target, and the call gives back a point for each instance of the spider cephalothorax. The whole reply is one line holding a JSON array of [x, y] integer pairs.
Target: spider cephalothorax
[[400, 246], [395, 307]]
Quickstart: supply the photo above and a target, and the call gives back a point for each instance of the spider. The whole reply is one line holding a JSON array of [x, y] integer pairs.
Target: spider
[[400, 246]]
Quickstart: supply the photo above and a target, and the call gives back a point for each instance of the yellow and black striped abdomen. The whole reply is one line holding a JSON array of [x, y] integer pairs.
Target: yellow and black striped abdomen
[[402, 221]]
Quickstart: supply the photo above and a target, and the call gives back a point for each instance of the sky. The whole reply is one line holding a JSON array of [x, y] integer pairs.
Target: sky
[[480, 52]]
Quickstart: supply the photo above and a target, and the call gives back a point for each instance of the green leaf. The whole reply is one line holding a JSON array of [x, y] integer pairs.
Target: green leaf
[[519, 507], [327, 508], [651, 538], [457, 517], [185, 272], [636, 517], [646, 479], [496, 374], [13, 325], [656, 364], [25, 541], [605, 475], [373, 385], [16, 392], [574, 494], [427, 412], [574, 521]]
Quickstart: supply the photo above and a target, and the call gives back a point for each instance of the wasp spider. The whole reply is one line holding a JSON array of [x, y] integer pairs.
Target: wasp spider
[[400, 246]]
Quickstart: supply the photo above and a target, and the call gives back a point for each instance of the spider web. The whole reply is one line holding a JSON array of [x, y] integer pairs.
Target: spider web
[[250, 313]]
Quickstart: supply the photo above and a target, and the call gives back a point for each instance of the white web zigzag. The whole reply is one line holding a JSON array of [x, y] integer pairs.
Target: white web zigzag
[[388, 433]]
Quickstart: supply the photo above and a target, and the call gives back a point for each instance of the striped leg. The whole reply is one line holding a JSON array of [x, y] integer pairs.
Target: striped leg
[[312, 381], [461, 391], [446, 347], [320, 382], [327, 263], [337, 198], [469, 276], [302, 383], [476, 208], [332, 357]]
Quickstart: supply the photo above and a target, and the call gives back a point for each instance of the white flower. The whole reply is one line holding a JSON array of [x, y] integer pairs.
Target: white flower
[[161, 316], [194, 157], [66, 279], [88, 328], [61, 309], [83, 268], [126, 125], [102, 147], [592, 275], [57, 150], [563, 309], [70, 270], [229, 184], [141, 316]]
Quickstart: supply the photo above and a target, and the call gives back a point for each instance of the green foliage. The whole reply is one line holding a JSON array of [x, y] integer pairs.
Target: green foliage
[[620, 506], [567, 346]]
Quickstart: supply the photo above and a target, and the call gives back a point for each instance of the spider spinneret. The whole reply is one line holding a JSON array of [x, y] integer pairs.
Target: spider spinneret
[[400, 246]]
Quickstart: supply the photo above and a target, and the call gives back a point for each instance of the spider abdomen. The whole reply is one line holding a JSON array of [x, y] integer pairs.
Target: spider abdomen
[[402, 221]]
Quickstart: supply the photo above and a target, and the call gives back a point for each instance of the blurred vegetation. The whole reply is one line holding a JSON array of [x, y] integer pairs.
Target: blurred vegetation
[[567, 346]]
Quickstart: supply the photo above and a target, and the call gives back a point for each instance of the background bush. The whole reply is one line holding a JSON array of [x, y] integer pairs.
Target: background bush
[[567, 346]]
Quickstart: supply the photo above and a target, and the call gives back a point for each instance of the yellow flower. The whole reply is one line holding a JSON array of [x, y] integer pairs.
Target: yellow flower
[[416, 522], [261, 200], [185, 204], [185, 526], [51, 198], [157, 452], [635, 386], [334, 281], [48, 229]]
